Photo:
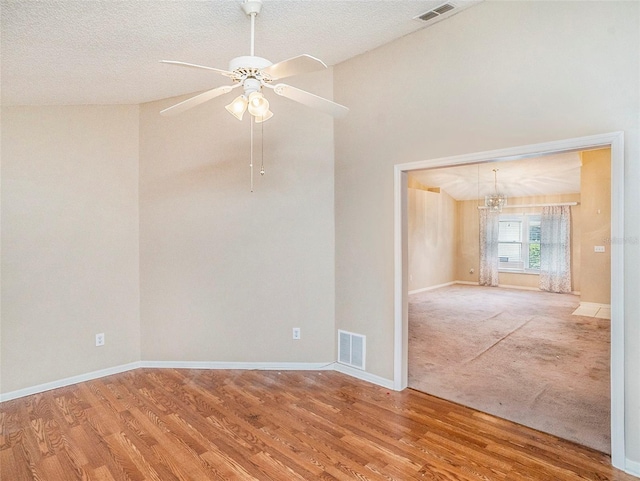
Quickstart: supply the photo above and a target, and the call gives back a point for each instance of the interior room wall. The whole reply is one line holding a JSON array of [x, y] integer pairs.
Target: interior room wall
[[69, 241], [595, 180], [468, 239], [226, 273], [431, 238], [465, 85]]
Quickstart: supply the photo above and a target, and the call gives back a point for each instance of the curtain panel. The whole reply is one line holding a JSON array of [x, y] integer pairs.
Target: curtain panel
[[555, 249], [489, 224]]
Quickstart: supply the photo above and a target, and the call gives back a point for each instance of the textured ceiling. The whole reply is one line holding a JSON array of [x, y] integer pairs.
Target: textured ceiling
[[548, 175], [107, 51]]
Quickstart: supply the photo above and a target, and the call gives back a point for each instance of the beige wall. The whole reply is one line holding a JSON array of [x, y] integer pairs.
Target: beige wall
[[225, 273], [468, 244], [467, 240], [431, 238], [465, 86], [596, 226], [69, 241], [222, 274]]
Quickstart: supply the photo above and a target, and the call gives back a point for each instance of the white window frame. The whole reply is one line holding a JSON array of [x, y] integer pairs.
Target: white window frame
[[524, 220]]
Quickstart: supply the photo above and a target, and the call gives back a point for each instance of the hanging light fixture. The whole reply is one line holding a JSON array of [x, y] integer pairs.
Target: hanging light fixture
[[496, 201]]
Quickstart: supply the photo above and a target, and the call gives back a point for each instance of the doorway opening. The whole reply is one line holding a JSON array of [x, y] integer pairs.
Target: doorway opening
[[613, 140], [515, 350]]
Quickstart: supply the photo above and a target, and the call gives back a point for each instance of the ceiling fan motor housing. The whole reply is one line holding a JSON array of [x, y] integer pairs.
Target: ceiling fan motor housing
[[251, 85], [248, 62]]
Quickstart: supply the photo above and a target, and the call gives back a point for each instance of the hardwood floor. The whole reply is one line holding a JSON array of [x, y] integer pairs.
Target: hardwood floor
[[165, 424]]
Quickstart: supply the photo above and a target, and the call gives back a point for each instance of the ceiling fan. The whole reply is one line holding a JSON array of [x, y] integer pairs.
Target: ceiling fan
[[253, 74]]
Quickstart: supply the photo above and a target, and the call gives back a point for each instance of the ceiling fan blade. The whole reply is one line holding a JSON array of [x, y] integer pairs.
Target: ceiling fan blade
[[294, 66], [193, 65], [311, 100], [198, 99]]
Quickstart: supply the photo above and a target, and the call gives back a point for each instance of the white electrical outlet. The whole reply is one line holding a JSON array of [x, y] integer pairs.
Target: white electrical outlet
[[296, 333], [100, 339], [598, 249]]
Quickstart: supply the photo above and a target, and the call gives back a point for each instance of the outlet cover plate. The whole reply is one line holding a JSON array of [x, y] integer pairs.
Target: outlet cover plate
[[296, 333], [100, 339]]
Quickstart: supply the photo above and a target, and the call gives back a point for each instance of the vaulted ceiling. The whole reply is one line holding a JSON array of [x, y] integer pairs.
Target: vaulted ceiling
[[107, 51], [548, 175], [67, 52]]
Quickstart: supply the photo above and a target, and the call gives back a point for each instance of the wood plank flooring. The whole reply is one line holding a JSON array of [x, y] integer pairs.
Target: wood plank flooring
[[179, 425]]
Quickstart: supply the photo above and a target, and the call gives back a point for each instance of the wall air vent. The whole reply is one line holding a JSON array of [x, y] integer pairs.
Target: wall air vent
[[351, 349], [436, 12]]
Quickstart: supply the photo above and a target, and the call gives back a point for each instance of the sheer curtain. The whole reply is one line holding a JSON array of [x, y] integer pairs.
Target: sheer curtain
[[555, 249], [489, 224]]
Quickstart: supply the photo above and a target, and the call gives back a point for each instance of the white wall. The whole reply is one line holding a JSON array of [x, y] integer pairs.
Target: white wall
[[500, 74], [226, 274], [69, 241]]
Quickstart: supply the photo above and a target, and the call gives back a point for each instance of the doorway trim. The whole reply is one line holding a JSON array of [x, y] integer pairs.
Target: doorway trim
[[614, 140]]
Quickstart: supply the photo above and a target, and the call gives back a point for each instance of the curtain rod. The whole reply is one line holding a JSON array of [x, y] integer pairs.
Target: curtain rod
[[525, 206]]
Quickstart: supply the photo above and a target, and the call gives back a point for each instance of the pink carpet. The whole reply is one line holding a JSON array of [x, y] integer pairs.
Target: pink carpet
[[516, 354]]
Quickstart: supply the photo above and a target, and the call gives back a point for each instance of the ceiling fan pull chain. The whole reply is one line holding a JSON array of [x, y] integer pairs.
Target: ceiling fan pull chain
[[251, 155], [261, 148]]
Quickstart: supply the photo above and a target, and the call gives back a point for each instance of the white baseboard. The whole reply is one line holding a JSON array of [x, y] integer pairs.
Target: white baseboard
[[68, 381], [522, 288], [632, 467], [508, 286], [259, 366], [595, 305], [266, 366], [469, 283], [363, 375], [274, 366], [430, 288]]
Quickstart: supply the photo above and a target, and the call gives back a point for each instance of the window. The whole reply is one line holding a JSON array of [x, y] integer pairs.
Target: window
[[519, 243]]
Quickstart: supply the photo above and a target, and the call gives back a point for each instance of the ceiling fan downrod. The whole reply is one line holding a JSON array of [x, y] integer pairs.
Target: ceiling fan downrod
[[252, 8]]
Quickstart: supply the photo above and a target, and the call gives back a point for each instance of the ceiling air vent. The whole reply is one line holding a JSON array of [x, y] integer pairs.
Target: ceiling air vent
[[443, 8], [435, 13], [425, 17]]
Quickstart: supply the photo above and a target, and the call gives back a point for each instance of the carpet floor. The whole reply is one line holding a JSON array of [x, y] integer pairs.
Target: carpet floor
[[516, 354]]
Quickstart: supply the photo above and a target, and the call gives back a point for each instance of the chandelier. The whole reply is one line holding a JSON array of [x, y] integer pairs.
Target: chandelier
[[496, 201]]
